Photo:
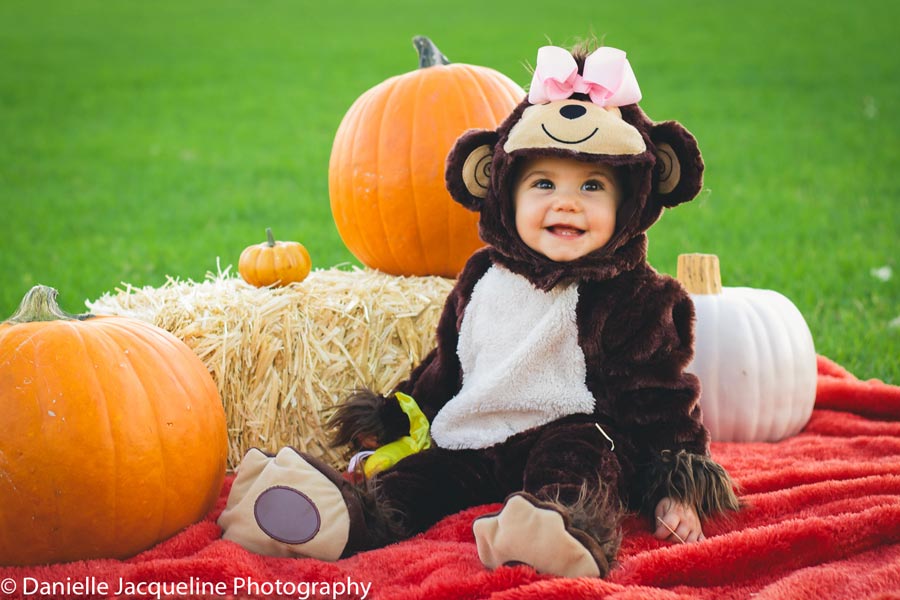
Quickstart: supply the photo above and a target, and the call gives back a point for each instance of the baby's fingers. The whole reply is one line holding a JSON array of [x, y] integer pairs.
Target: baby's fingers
[[681, 532], [668, 531]]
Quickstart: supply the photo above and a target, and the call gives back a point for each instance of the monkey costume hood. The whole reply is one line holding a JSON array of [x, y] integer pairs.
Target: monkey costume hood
[[659, 165]]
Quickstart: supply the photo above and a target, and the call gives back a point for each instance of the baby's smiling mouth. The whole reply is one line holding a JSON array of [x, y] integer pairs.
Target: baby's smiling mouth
[[565, 231]]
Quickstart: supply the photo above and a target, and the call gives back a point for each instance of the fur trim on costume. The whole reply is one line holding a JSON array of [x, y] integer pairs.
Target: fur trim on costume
[[365, 414], [384, 524], [597, 513], [691, 479]]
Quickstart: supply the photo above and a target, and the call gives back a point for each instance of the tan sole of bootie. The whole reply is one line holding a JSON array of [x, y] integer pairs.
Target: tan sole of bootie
[[284, 506], [522, 533]]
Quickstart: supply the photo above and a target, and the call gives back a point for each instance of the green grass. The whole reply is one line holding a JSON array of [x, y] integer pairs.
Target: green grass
[[146, 139]]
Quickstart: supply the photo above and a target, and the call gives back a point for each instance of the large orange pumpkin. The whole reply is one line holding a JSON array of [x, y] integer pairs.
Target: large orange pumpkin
[[386, 174], [113, 435]]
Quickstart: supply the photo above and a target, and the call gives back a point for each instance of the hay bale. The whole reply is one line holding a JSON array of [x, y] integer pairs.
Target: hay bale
[[284, 357]]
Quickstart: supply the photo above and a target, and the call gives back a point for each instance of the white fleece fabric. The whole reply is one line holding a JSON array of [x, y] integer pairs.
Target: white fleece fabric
[[521, 362]]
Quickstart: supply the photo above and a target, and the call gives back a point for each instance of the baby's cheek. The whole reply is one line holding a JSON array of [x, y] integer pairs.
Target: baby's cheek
[[528, 223]]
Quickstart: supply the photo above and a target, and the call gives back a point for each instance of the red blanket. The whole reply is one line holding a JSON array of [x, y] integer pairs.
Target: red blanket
[[823, 522]]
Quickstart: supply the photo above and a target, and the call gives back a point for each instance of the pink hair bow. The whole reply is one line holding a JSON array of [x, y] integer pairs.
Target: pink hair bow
[[608, 78]]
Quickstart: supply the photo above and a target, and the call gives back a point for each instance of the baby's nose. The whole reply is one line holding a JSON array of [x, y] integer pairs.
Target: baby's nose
[[565, 203], [572, 111]]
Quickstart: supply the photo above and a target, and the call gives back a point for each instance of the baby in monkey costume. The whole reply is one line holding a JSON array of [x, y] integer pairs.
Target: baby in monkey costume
[[557, 386]]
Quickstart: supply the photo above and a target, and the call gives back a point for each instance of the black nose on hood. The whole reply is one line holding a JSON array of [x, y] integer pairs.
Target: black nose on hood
[[572, 111]]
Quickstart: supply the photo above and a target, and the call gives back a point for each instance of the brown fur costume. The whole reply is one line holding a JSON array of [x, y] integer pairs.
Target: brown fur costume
[[571, 475]]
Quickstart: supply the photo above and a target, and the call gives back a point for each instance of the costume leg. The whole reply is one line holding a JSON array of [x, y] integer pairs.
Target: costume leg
[[423, 488], [292, 504], [565, 520]]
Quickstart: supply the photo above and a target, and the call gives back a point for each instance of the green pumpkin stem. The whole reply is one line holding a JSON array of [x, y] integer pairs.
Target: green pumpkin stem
[[39, 304], [429, 55], [270, 239]]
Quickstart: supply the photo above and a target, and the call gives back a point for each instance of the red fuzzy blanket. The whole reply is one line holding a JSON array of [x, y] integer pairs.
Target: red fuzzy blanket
[[823, 522]]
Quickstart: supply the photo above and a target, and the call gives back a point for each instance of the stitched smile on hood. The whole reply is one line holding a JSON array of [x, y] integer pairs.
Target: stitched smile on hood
[[584, 139]]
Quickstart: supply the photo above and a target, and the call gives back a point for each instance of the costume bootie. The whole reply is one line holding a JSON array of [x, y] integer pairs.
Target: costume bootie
[[545, 535], [292, 504]]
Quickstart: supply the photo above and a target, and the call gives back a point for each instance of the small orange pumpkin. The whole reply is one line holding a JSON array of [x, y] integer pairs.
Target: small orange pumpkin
[[386, 173], [274, 263], [113, 435]]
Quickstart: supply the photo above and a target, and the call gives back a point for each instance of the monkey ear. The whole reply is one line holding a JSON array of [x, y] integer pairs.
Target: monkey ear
[[468, 173], [678, 175]]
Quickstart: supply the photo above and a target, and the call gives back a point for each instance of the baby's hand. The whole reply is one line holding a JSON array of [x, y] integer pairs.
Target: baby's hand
[[682, 519]]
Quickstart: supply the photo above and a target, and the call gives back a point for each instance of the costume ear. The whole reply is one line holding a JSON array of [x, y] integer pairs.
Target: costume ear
[[679, 166], [468, 173]]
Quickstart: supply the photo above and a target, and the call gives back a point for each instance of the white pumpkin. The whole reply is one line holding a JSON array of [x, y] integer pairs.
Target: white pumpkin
[[754, 356]]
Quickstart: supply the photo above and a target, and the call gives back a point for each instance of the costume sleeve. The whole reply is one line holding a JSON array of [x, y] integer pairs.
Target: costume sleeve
[[439, 376], [656, 403]]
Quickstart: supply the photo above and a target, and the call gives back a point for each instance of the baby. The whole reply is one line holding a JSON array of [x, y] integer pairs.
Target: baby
[[566, 209], [557, 384]]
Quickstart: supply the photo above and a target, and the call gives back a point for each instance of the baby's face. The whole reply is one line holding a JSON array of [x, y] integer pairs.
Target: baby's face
[[566, 208]]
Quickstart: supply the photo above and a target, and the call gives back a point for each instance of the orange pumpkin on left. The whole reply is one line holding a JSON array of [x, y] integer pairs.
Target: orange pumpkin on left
[[113, 435], [274, 263]]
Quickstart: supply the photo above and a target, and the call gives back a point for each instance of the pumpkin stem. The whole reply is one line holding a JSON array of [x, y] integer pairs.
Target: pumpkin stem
[[429, 55], [699, 273], [39, 304], [270, 239]]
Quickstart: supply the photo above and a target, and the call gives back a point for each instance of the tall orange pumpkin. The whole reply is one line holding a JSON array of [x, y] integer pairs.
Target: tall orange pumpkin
[[113, 435], [386, 174]]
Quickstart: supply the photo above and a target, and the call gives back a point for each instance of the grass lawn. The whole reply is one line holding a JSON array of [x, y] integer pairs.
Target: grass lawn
[[146, 139]]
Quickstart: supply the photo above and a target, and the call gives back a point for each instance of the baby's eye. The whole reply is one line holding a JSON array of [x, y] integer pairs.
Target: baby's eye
[[543, 184], [592, 185]]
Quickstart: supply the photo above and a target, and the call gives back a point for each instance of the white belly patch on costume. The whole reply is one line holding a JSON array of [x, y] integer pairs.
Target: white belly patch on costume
[[521, 362]]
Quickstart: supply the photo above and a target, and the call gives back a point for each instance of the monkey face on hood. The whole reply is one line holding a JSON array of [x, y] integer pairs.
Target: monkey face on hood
[[658, 164]]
